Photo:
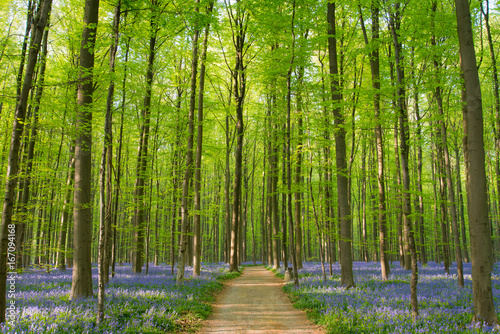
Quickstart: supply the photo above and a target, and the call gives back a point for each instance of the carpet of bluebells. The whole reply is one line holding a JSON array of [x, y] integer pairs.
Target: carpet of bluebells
[[375, 306], [135, 303]]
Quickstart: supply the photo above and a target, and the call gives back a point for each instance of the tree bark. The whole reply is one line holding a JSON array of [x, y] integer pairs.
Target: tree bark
[[481, 250], [288, 158], [82, 216], [199, 143], [105, 182], [239, 89], [379, 142], [298, 170], [183, 238], [346, 276], [496, 127], [62, 248], [395, 26], [142, 155]]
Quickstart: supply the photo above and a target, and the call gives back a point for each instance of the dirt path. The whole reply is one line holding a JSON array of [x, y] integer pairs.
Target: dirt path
[[254, 303]]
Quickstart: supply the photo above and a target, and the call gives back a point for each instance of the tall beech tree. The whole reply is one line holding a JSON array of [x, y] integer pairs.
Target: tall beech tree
[[375, 70], [105, 177], [293, 252], [347, 277], [395, 19], [142, 151], [188, 174], [238, 18], [199, 145], [480, 243], [81, 285]]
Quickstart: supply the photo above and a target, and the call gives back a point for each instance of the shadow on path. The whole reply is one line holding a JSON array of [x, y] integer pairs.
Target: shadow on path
[[254, 303]]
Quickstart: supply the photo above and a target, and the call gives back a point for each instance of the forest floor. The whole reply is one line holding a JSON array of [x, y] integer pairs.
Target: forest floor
[[255, 303]]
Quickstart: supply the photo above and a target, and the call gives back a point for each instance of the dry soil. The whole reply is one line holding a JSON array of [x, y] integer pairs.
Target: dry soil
[[255, 303]]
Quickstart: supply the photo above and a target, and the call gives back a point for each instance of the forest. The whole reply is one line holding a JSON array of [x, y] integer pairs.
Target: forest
[[181, 140]]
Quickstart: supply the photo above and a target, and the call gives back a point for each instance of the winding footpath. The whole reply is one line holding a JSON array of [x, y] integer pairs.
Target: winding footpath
[[255, 303]]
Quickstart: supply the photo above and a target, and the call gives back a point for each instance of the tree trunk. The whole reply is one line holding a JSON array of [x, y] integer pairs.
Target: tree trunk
[[142, 155], [239, 90], [346, 277], [63, 248], [199, 143], [119, 162], [183, 242], [481, 250], [288, 159], [316, 220], [420, 204], [82, 232], [461, 203], [298, 171], [395, 25], [227, 197], [379, 143], [106, 200]]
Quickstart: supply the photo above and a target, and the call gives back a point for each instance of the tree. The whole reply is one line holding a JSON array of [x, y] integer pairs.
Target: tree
[[481, 251], [81, 285], [106, 199], [395, 26], [238, 20], [288, 157], [347, 278], [375, 69], [183, 242], [199, 145], [142, 155]]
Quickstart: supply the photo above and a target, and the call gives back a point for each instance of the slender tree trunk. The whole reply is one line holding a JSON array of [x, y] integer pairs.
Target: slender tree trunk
[[347, 278], [395, 25], [254, 254], [284, 200], [316, 220], [199, 143], [62, 248], [366, 253], [227, 197], [420, 205], [496, 94], [183, 242], [298, 171], [453, 209], [106, 199], [82, 232], [481, 250], [288, 159], [399, 220], [176, 173], [461, 204], [239, 89], [142, 155], [29, 24], [119, 162], [379, 143]]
